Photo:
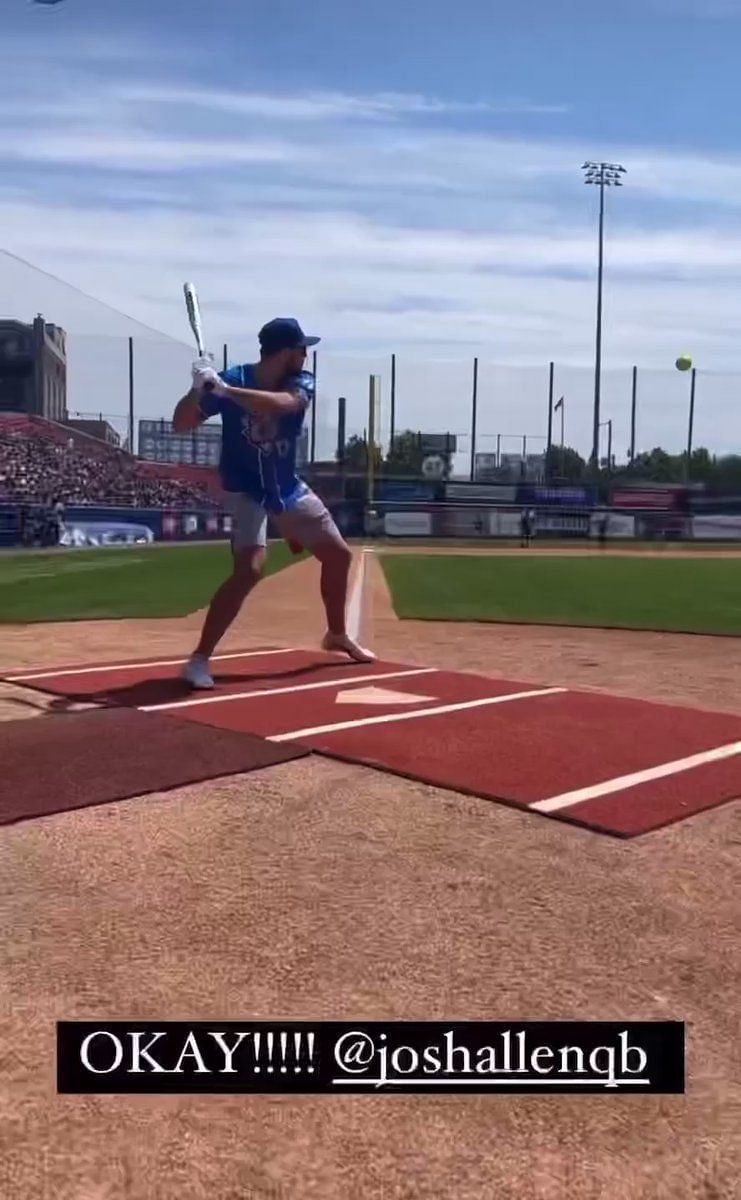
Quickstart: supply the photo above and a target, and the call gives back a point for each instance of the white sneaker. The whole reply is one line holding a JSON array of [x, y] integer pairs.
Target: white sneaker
[[343, 642], [196, 672]]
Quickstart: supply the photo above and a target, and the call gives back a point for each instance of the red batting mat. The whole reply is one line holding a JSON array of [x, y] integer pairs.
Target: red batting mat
[[355, 696], [620, 766], [141, 662], [535, 753], [148, 682], [57, 763], [639, 808]]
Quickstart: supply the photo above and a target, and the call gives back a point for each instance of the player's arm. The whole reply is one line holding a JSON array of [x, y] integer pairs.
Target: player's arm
[[277, 404], [198, 405], [291, 399], [188, 413]]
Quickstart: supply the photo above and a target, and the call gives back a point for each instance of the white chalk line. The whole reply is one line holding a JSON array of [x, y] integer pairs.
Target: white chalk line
[[287, 690], [417, 713], [623, 782], [61, 673]]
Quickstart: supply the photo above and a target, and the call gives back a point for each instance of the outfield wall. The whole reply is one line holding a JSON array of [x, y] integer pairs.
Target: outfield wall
[[101, 525], [94, 524], [476, 522], [98, 525]]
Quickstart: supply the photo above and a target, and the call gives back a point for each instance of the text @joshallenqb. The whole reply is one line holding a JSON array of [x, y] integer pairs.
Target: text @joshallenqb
[[327, 1056]]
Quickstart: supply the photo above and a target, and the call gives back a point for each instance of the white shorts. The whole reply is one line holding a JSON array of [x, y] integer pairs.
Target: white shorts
[[308, 521]]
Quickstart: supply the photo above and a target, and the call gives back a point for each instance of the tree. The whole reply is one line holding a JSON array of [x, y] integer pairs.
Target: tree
[[564, 464], [656, 466], [702, 466], [727, 475], [356, 454], [406, 455]]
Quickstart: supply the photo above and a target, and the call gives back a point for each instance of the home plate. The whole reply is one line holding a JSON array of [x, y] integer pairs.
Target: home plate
[[377, 695]]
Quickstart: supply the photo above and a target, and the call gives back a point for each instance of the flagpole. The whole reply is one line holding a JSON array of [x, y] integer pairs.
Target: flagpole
[[549, 467], [562, 437]]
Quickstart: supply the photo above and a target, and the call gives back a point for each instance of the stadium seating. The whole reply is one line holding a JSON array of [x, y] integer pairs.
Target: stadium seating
[[42, 461]]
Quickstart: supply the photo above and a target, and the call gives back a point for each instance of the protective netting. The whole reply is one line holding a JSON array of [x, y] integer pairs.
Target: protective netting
[[432, 395]]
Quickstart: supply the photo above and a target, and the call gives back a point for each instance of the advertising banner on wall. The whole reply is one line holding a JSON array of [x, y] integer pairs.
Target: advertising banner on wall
[[504, 523], [504, 493], [562, 524], [408, 524], [563, 497], [616, 525], [460, 522], [656, 498], [716, 527], [401, 490], [96, 525], [105, 533]]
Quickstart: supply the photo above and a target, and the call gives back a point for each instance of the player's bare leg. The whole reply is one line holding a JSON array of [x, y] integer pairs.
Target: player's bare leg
[[223, 611], [335, 557]]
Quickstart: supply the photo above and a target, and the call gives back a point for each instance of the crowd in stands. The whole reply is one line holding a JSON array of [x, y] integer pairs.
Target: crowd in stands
[[43, 468]]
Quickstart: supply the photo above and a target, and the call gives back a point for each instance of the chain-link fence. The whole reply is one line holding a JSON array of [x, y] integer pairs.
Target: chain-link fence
[[122, 382], [120, 371]]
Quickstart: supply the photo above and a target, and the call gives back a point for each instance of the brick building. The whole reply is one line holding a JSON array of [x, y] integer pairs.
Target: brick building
[[33, 369]]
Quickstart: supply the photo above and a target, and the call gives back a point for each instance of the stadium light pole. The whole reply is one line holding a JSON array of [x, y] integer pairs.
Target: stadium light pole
[[633, 399], [690, 427], [600, 175], [608, 424]]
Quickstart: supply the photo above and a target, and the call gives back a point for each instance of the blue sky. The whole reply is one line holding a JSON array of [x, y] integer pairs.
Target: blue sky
[[404, 178]]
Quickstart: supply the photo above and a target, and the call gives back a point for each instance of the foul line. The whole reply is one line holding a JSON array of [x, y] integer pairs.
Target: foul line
[[418, 712], [158, 662], [357, 598], [629, 781], [283, 691]]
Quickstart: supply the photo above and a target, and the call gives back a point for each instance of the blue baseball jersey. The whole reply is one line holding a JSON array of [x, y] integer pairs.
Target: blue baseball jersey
[[258, 453]]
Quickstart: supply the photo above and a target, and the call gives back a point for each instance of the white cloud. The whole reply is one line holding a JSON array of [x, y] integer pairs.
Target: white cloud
[[328, 272], [382, 231], [152, 154], [322, 106]]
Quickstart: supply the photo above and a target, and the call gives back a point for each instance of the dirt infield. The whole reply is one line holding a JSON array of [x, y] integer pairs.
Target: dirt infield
[[322, 890]]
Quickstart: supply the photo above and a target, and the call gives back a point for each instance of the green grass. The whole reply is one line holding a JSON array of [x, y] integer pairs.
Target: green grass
[[634, 545], [141, 581], [672, 594]]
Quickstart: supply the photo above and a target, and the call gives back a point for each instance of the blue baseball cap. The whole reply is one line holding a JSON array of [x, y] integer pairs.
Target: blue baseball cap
[[284, 333]]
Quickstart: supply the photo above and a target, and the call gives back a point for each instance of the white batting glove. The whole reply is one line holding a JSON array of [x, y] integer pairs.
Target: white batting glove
[[207, 379]]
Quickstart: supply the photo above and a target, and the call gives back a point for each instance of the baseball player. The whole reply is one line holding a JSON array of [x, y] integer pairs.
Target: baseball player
[[262, 408]]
